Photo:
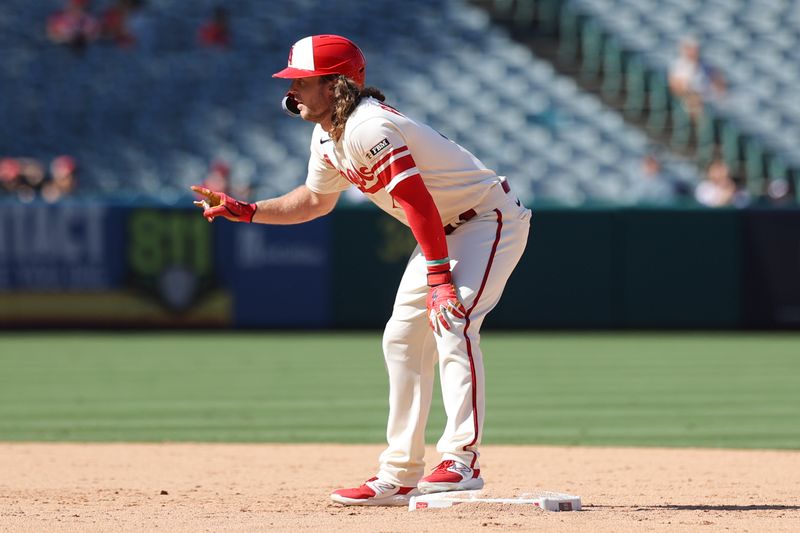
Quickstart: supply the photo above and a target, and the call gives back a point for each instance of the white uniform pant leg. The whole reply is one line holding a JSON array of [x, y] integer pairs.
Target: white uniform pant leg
[[485, 251], [410, 353]]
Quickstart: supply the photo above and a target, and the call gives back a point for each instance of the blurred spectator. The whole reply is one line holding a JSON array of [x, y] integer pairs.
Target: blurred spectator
[[649, 184], [115, 23], [9, 174], [63, 179], [126, 24], [216, 32], [692, 80], [779, 192], [73, 26], [218, 178], [718, 188], [22, 177]]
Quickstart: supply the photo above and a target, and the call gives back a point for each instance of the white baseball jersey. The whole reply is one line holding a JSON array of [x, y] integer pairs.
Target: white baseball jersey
[[381, 147]]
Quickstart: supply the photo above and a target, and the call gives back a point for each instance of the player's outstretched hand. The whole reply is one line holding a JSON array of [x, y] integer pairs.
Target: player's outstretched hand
[[442, 303], [216, 204]]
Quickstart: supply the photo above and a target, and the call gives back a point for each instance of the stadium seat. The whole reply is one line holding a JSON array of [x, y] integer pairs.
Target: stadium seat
[[754, 43], [149, 122]]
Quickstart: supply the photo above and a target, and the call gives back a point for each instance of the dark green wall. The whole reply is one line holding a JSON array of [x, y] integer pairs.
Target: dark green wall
[[370, 251], [679, 268], [604, 268]]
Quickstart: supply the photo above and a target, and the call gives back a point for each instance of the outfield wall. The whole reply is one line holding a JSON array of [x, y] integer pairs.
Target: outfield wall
[[99, 265]]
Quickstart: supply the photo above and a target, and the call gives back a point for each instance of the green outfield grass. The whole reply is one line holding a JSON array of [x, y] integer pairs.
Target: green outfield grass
[[726, 390]]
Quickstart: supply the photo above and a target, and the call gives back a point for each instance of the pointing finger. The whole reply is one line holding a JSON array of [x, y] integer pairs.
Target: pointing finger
[[208, 193]]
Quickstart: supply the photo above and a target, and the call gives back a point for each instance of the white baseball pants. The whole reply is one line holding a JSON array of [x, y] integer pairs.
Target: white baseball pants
[[483, 252]]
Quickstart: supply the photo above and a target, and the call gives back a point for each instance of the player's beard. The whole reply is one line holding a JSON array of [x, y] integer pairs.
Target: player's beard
[[318, 106], [322, 117]]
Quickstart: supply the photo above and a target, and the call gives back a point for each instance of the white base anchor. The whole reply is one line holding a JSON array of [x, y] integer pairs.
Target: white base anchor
[[549, 501]]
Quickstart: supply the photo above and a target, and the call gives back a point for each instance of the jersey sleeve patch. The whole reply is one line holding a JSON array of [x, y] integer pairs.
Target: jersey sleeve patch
[[379, 152], [378, 148]]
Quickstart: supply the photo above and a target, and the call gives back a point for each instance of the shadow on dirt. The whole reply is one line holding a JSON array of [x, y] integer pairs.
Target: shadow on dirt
[[697, 507]]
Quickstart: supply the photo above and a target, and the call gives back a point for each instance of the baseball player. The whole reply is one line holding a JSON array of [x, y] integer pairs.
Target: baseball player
[[471, 232]]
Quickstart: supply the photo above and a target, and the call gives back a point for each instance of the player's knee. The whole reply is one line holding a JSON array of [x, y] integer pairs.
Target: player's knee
[[392, 340], [397, 338]]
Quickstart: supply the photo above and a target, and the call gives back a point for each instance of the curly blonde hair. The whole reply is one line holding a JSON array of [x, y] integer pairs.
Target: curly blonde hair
[[346, 96]]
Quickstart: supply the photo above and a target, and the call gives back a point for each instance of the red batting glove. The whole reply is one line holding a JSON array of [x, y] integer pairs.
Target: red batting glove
[[217, 204], [443, 301]]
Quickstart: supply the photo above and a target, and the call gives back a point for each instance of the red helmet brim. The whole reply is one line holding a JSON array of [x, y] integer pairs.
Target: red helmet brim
[[292, 73]]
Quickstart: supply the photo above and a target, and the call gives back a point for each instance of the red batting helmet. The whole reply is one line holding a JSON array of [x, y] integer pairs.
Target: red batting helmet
[[320, 55]]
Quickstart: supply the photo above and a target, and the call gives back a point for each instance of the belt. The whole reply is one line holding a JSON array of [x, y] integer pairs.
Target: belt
[[471, 213]]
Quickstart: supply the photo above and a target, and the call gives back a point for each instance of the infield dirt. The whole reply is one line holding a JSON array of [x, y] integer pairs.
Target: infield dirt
[[265, 487]]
